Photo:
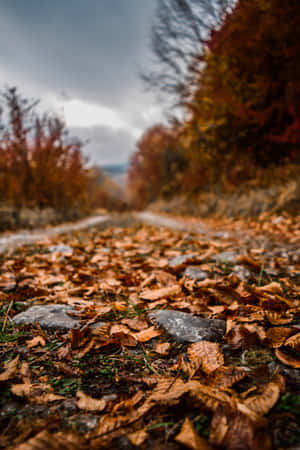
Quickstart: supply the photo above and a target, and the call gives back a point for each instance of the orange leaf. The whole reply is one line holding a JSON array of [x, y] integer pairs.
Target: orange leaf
[[205, 355], [287, 359], [157, 294], [10, 369], [88, 403], [38, 340], [138, 438], [190, 438], [146, 335], [36, 393], [163, 348]]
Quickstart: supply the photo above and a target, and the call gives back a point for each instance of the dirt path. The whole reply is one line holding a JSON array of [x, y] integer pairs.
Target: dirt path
[[13, 240], [119, 342]]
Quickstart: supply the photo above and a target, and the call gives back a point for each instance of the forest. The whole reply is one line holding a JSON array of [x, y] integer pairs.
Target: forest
[[232, 71]]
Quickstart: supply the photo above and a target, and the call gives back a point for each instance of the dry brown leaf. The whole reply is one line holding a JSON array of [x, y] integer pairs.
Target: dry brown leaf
[[225, 377], [10, 369], [262, 403], [240, 337], [25, 372], [163, 348], [88, 347], [205, 355], [58, 441], [278, 335], [136, 324], [249, 261], [211, 397], [287, 359], [36, 393], [122, 334], [233, 430], [138, 438], [37, 340], [294, 342], [273, 288], [190, 438], [276, 318], [102, 332], [146, 335], [157, 294], [88, 403]]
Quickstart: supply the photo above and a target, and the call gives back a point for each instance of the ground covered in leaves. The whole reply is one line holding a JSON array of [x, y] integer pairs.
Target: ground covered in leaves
[[118, 380]]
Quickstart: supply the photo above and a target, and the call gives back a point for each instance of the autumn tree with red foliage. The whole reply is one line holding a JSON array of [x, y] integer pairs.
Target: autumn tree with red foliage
[[156, 166], [241, 98], [40, 165]]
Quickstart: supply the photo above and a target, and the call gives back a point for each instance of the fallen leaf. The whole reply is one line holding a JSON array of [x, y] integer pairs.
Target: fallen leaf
[[157, 294], [25, 372], [146, 335], [287, 359], [136, 323], [205, 355], [190, 438], [57, 441], [36, 393], [273, 288], [10, 369], [262, 403], [163, 348], [138, 438], [88, 403], [37, 340], [278, 335], [294, 342]]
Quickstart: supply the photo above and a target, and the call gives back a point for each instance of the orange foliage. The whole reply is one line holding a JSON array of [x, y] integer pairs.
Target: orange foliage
[[40, 165]]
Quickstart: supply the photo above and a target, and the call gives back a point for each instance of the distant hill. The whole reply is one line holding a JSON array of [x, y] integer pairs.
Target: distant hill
[[115, 169], [117, 172]]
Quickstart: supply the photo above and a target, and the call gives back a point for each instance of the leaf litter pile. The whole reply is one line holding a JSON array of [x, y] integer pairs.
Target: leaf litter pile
[[118, 378]]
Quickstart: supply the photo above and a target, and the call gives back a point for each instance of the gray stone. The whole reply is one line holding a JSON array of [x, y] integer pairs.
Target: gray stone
[[86, 423], [242, 272], [195, 273], [48, 316], [60, 248], [185, 327], [226, 257], [181, 260]]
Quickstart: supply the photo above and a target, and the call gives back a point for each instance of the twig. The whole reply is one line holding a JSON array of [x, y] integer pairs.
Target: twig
[[6, 315]]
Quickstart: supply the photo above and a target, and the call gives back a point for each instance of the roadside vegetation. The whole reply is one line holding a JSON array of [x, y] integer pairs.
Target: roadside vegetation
[[42, 167], [232, 71]]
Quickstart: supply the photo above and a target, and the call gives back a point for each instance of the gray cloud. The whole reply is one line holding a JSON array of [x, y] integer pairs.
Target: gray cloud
[[85, 49], [105, 145], [89, 49]]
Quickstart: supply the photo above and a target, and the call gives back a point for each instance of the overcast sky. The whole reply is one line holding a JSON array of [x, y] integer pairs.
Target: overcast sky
[[82, 58]]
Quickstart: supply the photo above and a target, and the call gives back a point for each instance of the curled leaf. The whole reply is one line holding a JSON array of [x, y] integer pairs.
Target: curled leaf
[[10, 369], [36, 393], [190, 438], [205, 355], [287, 359], [88, 403], [157, 294], [294, 342], [277, 336]]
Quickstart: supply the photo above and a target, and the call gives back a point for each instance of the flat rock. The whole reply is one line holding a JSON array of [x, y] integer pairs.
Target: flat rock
[[242, 272], [184, 327], [48, 316], [226, 257], [195, 273], [181, 260], [60, 248]]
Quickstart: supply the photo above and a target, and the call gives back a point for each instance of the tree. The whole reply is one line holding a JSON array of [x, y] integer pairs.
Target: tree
[[39, 165], [179, 33]]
